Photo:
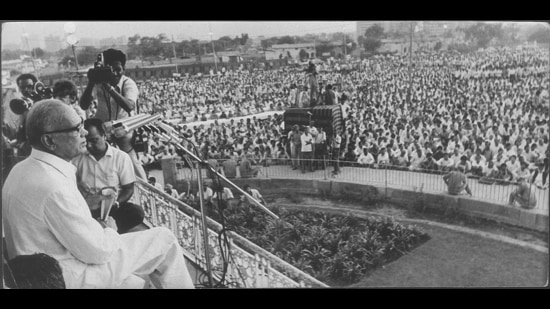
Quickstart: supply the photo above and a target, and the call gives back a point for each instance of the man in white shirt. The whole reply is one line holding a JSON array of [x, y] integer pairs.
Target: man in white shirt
[[445, 164], [117, 99], [307, 150], [46, 213], [103, 166], [366, 158], [513, 166]]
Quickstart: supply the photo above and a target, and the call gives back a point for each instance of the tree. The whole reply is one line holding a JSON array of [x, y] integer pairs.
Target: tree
[[285, 40], [38, 52], [541, 35], [303, 54], [481, 34], [243, 39], [373, 37], [12, 54], [88, 55], [134, 49]]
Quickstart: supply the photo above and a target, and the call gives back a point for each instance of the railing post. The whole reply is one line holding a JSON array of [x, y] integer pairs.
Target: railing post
[[325, 166], [386, 182]]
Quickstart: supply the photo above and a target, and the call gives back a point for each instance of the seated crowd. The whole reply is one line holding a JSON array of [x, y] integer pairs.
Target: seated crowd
[[484, 112]]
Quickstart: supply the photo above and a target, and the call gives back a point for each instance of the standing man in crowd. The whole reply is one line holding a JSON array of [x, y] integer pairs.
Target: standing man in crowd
[[46, 213], [456, 181], [330, 96], [103, 166], [307, 150], [295, 140], [319, 148], [335, 145], [116, 100]]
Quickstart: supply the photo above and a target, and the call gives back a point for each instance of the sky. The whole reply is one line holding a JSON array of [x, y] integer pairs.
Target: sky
[[13, 31]]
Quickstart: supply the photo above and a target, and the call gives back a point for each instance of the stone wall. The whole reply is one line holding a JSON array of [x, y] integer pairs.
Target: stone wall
[[496, 212]]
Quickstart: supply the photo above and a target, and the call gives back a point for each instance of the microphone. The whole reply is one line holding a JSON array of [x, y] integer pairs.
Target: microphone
[[124, 126]]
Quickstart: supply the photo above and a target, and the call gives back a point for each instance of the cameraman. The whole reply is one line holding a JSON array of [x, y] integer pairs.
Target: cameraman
[[116, 99], [14, 117]]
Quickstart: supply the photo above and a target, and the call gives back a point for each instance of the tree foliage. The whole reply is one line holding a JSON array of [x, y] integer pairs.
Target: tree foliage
[[541, 35], [87, 55], [286, 40], [481, 34], [373, 37]]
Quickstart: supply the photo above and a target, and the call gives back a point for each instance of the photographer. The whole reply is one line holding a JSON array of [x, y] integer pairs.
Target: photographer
[[14, 119], [116, 95]]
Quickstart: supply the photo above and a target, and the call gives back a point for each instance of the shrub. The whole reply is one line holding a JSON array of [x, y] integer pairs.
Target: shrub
[[330, 247]]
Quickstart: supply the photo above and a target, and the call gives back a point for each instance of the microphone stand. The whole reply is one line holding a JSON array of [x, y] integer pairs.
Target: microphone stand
[[158, 131], [170, 137]]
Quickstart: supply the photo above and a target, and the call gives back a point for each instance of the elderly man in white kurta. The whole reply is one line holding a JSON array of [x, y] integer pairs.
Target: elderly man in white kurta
[[43, 211]]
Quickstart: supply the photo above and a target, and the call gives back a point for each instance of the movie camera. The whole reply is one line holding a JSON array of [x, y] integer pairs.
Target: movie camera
[[101, 73], [40, 92]]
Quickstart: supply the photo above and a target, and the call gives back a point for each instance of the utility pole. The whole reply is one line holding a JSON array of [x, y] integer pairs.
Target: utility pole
[[213, 49], [409, 94], [175, 56], [26, 36], [344, 32]]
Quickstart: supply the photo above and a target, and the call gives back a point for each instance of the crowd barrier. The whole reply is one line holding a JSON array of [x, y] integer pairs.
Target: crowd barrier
[[387, 176]]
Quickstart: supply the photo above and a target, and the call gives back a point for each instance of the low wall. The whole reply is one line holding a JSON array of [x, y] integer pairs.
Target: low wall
[[500, 213]]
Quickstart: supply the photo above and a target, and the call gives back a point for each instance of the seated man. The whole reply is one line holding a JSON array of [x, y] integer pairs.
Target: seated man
[[254, 193], [103, 166], [246, 169], [55, 219], [524, 195], [456, 182], [445, 164]]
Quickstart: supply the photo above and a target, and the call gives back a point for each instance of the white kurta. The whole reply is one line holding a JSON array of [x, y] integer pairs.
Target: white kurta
[[43, 211]]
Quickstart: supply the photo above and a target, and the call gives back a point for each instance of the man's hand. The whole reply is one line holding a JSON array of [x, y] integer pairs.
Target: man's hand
[[109, 222]]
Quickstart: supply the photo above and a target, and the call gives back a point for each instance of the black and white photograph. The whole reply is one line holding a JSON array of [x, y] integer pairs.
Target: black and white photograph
[[290, 154]]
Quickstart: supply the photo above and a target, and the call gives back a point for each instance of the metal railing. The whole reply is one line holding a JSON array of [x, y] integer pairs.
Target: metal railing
[[248, 265], [389, 176]]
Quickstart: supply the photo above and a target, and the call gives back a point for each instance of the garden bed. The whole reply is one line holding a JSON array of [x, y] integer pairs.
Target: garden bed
[[334, 248]]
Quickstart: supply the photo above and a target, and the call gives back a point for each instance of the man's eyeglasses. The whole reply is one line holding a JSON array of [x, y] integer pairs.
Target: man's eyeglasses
[[78, 128]]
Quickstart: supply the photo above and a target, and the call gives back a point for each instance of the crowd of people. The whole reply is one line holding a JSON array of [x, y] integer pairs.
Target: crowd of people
[[487, 112], [482, 115]]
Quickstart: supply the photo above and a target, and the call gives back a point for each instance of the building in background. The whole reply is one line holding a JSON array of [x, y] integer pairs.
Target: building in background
[[290, 51]]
